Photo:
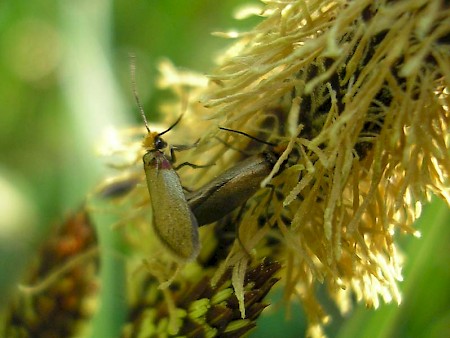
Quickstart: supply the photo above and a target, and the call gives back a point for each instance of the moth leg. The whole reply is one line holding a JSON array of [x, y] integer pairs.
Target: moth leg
[[180, 147], [192, 165]]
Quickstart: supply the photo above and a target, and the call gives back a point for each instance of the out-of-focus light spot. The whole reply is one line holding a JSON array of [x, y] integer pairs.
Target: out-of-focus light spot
[[120, 148], [16, 213], [172, 77], [110, 143], [227, 35], [246, 11], [33, 49]]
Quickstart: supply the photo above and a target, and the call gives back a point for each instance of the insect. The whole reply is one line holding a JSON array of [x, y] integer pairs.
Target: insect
[[173, 221], [223, 194], [232, 188]]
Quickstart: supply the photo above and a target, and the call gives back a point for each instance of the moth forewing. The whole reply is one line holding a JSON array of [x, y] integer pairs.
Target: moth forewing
[[173, 221], [231, 189]]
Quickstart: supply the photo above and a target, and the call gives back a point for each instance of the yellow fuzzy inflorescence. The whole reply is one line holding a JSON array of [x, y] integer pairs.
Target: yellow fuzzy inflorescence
[[356, 94]]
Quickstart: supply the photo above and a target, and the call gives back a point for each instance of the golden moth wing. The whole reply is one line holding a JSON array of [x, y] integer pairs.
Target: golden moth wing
[[173, 221]]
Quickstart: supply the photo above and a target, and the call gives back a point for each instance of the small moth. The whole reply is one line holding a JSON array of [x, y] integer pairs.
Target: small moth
[[233, 187], [173, 221]]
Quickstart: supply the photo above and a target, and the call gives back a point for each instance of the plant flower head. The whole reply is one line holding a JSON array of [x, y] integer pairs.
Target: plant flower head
[[356, 96]]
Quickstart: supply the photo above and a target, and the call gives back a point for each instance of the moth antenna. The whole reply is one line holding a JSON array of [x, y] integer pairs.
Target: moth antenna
[[249, 136], [184, 106], [173, 125], [134, 88]]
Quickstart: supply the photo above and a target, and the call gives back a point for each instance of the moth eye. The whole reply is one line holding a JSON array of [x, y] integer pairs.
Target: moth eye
[[159, 143]]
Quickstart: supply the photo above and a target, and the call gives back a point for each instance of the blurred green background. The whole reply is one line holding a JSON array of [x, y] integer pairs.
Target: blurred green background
[[64, 77]]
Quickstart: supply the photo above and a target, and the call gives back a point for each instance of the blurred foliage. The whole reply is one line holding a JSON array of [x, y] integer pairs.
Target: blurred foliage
[[64, 75]]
